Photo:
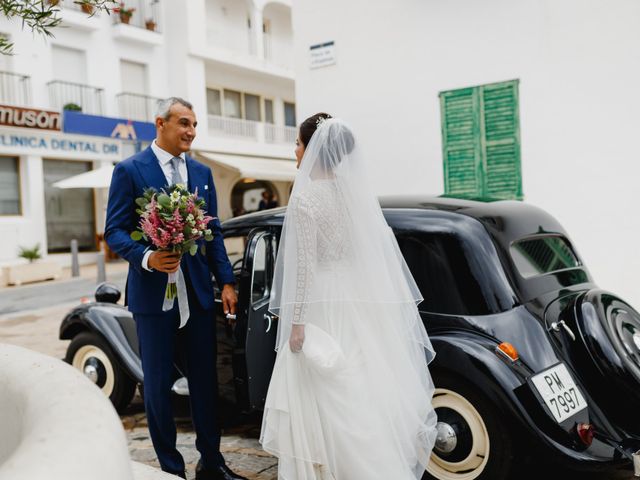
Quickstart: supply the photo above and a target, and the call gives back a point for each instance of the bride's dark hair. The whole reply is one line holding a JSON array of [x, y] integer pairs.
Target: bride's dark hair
[[309, 126]]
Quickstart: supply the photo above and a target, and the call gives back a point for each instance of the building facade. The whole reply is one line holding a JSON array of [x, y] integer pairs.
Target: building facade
[[231, 58], [569, 125]]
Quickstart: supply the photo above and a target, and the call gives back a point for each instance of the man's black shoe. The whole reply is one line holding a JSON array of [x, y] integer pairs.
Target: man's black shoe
[[221, 472]]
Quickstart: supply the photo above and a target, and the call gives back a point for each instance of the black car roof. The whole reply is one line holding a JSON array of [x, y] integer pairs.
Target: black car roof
[[506, 220]]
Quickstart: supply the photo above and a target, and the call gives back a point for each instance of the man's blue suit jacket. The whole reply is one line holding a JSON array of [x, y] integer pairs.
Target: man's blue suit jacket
[[146, 290]]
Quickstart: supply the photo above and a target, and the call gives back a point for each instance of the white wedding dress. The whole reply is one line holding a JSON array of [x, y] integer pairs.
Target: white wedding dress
[[355, 403]]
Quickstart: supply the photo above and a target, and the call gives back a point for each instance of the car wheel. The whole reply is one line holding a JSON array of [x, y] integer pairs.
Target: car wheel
[[472, 443], [90, 353]]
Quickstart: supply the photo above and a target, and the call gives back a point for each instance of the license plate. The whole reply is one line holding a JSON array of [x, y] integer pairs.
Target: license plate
[[559, 392]]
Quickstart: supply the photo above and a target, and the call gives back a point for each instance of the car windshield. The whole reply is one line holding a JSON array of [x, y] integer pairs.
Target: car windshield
[[543, 254]]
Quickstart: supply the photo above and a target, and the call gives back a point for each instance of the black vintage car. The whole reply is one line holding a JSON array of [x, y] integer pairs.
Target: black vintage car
[[533, 361]]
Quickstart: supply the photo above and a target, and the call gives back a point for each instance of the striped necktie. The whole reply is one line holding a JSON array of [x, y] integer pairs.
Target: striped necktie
[[175, 174]]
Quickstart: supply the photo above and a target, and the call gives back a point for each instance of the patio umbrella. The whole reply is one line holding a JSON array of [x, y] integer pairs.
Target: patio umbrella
[[98, 178]]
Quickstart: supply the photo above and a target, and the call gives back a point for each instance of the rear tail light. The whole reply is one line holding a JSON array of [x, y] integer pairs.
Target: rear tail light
[[508, 350], [585, 433]]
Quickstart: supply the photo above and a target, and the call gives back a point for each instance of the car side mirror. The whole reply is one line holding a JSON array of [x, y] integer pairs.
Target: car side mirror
[[107, 293]]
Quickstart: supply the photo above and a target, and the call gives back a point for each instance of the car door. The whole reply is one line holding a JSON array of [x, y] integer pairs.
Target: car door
[[261, 326]]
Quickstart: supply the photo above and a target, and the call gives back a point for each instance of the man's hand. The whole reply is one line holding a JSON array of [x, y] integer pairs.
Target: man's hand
[[229, 301], [297, 338], [164, 261]]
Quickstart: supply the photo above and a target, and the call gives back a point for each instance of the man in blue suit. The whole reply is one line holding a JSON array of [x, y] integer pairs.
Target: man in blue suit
[[164, 163]]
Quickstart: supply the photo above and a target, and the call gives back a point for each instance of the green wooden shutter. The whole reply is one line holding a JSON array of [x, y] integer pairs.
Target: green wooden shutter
[[481, 141], [461, 143], [500, 134]]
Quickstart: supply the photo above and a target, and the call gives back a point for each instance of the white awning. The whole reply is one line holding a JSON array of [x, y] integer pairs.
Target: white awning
[[98, 178], [258, 168]]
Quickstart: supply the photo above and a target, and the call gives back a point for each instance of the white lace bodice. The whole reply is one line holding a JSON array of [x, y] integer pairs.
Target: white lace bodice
[[321, 224]]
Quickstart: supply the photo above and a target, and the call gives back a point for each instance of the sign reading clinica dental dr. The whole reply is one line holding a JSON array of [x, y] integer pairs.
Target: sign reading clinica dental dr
[[29, 118]]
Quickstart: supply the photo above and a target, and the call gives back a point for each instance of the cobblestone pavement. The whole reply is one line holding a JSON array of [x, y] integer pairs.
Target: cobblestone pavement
[[37, 329], [239, 445]]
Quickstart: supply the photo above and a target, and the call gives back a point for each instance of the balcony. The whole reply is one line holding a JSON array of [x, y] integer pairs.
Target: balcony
[[80, 16], [145, 14], [240, 129], [133, 106], [89, 99], [277, 52], [15, 89]]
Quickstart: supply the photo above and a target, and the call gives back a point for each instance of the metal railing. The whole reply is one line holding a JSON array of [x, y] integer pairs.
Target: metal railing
[[68, 94], [15, 89], [279, 133], [251, 130], [134, 106], [146, 14]]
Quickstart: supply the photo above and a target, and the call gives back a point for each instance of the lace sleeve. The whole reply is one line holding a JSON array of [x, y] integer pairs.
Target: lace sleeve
[[306, 256]]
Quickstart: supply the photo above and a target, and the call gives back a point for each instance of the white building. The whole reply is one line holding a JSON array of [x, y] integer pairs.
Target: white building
[[233, 59], [575, 103]]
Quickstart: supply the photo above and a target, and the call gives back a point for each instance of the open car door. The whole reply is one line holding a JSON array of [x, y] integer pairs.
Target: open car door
[[261, 326]]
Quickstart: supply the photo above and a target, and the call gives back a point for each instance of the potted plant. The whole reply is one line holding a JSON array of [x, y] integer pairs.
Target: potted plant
[[34, 271], [73, 107], [150, 24], [30, 254], [87, 8], [125, 13], [54, 3]]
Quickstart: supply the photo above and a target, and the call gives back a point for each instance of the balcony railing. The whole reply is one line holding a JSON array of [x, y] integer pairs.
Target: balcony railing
[[15, 89], [234, 127], [146, 14], [251, 130], [68, 94], [279, 133], [134, 106]]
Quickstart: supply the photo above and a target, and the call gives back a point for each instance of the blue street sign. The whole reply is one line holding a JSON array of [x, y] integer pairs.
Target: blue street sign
[[120, 128]]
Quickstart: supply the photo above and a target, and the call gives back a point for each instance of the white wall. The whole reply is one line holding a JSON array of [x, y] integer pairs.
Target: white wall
[[227, 24], [577, 61]]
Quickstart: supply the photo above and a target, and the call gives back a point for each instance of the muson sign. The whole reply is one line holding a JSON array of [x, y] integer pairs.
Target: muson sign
[[29, 118]]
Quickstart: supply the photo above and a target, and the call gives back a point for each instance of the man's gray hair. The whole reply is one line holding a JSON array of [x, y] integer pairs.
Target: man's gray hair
[[165, 105]]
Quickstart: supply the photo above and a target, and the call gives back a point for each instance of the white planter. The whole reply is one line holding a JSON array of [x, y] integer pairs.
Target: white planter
[[32, 272]]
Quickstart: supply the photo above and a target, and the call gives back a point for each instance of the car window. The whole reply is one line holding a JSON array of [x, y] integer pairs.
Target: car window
[[543, 254], [259, 278], [444, 276], [235, 249]]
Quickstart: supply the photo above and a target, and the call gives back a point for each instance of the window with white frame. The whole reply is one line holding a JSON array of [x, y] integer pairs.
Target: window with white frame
[[252, 107], [214, 103], [10, 202], [232, 104], [241, 105], [268, 110], [290, 114]]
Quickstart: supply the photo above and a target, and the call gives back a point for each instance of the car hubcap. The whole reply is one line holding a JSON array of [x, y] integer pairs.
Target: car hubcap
[[446, 439], [462, 445], [95, 365]]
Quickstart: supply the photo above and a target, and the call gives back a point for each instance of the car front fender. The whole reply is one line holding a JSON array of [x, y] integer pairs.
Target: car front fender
[[103, 319]]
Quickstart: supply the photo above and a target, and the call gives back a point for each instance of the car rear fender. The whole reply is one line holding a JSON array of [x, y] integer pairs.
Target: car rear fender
[[472, 357], [103, 319]]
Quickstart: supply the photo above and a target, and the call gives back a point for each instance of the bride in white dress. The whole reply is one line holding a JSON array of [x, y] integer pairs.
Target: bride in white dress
[[350, 395]]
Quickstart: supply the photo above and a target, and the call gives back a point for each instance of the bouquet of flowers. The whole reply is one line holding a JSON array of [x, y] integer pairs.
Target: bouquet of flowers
[[173, 219]]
